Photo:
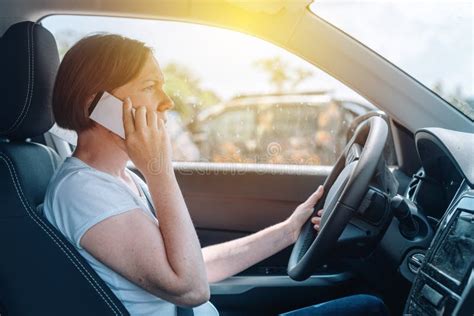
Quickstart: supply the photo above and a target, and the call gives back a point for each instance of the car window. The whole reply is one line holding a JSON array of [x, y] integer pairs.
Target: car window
[[238, 99], [431, 40]]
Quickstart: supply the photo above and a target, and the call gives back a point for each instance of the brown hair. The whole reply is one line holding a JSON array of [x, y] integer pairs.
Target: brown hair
[[100, 62]]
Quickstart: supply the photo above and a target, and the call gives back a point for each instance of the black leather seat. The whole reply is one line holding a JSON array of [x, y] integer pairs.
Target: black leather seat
[[40, 271]]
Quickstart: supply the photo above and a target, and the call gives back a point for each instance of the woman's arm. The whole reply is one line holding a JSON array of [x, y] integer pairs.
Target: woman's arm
[[180, 240], [165, 258], [229, 258]]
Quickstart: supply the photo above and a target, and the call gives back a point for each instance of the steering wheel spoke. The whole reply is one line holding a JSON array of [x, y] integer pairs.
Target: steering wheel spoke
[[353, 154]]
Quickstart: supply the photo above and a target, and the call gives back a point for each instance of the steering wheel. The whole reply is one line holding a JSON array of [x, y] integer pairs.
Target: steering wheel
[[344, 189]]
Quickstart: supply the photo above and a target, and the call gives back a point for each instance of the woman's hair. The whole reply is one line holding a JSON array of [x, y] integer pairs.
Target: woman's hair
[[100, 62]]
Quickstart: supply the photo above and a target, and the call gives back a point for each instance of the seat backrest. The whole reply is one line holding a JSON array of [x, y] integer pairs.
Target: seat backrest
[[41, 273]]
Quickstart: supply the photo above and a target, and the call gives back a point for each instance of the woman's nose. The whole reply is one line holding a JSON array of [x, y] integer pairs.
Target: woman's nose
[[166, 104]]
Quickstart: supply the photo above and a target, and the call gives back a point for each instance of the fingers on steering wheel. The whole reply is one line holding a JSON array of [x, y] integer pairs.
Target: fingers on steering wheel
[[316, 220], [314, 198]]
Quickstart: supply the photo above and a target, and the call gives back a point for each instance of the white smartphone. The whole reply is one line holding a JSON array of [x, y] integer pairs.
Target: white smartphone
[[107, 111]]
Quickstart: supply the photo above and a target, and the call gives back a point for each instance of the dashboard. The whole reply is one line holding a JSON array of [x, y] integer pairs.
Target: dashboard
[[433, 193], [443, 192]]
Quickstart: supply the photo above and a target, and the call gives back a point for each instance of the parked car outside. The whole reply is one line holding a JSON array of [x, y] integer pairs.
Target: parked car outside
[[311, 128]]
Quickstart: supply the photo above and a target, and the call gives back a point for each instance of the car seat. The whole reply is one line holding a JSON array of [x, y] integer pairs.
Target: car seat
[[41, 273]]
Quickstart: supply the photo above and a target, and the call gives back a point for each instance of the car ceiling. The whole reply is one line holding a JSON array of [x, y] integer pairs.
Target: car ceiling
[[288, 24]]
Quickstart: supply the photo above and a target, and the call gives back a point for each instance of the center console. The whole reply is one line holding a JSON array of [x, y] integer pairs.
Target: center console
[[445, 281]]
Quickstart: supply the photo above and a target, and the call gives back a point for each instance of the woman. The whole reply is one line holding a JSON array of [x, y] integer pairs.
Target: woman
[[148, 254]]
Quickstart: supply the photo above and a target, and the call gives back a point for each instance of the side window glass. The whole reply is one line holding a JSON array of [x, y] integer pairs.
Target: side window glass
[[238, 99]]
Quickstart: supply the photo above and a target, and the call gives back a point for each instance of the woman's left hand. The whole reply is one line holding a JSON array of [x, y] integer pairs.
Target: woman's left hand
[[302, 213]]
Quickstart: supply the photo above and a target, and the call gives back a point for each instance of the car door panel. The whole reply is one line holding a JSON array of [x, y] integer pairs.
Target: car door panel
[[245, 198]]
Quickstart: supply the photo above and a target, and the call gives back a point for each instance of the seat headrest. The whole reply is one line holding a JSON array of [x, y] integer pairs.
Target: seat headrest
[[29, 61]]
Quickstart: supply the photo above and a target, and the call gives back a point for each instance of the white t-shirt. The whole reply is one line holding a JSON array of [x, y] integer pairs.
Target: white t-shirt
[[78, 197]]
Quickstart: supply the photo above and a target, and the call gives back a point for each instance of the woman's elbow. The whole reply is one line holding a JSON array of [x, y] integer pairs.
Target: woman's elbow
[[196, 292], [184, 294], [195, 297]]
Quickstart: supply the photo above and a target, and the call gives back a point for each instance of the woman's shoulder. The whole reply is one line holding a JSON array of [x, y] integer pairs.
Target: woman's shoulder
[[79, 197], [79, 189], [74, 177]]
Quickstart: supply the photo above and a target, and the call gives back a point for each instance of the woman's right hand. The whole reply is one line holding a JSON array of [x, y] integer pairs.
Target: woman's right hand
[[146, 140]]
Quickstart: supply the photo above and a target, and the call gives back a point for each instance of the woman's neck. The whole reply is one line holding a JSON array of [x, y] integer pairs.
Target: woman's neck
[[101, 151]]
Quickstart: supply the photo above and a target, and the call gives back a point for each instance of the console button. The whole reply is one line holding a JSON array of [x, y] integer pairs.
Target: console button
[[415, 261], [431, 295]]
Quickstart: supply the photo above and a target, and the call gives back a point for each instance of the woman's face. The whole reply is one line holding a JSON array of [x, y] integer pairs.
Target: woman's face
[[147, 89]]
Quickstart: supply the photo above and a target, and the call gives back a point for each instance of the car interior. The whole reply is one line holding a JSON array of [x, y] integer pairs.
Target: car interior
[[399, 228]]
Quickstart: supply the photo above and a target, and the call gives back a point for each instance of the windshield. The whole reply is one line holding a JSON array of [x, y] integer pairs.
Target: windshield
[[430, 40]]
